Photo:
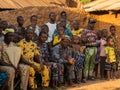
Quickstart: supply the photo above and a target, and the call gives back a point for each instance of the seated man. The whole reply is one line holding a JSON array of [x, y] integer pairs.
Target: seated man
[[9, 61], [31, 57]]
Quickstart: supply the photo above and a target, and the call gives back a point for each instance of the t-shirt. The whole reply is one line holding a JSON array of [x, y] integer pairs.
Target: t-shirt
[[37, 30], [110, 53], [102, 47], [29, 49], [52, 28], [77, 32]]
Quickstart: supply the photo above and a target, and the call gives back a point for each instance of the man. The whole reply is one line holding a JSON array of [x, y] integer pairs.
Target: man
[[63, 15], [51, 25], [31, 57], [89, 38], [9, 61], [77, 31], [33, 20]]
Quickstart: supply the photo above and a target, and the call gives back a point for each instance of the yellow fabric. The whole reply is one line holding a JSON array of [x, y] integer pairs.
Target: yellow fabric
[[77, 32], [56, 40], [8, 30], [111, 54], [29, 49], [44, 74]]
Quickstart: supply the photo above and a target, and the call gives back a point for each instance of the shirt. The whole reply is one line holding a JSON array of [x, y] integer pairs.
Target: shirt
[[111, 54], [89, 37], [103, 42], [29, 49], [56, 40], [52, 28], [37, 30], [77, 32], [66, 32]]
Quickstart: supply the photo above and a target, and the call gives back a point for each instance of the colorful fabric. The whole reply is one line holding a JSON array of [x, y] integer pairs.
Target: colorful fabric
[[44, 73], [68, 25], [8, 31], [77, 32], [79, 60], [89, 37], [110, 54], [66, 32], [29, 49], [90, 55], [43, 50], [56, 40], [3, 77], [97, 60]]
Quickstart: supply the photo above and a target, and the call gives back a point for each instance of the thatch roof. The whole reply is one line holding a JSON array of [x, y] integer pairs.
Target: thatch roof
[[16, 4], [100, 5]]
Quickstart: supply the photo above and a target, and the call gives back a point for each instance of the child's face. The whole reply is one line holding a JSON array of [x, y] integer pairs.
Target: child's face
[[43, 37], [76, 25], [111, 42], [113, 31], [44, 29], [76, 40], [60, 30], [105, 33]]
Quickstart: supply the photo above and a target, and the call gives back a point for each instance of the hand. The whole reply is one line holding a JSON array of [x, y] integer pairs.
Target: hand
[[35, 68]]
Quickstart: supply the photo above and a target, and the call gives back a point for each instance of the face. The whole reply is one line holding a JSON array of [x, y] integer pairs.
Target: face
[[76, 40], [92, 25], [99, 34], [111, 42], [63, 22], [52, 17], [76, 25], [34, 20], [44, 29], [65, 43], [105, 33], [29, 34], [4, 25], [113, 31], [43, 37], [21, 21], [60, 30], [63, 16], [10, 37]]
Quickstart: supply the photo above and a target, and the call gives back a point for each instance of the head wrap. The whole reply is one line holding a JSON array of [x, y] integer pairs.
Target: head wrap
[[8, 30], [66, 37]]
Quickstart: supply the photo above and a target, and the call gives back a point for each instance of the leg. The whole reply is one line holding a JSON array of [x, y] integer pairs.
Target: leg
[[108, 74], [11, 74], [24, 74], [102, 67]]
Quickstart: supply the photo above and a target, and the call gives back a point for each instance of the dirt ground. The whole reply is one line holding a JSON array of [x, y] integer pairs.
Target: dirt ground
[[98, 85]]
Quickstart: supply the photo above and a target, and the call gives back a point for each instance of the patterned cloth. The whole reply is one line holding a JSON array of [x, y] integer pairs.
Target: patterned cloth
[[29, 50], [110, 54], [89, 37], [77, 32], [90, 55]]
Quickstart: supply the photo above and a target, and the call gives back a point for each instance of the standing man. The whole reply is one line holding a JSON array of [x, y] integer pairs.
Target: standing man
[[89, 38], [51, 25]]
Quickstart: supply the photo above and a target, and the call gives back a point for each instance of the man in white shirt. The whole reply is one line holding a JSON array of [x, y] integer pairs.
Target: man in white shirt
[[33, 20], [51, 25]]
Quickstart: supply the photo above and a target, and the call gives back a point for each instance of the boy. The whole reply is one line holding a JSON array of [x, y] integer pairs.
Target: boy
[[76, 31], [111, 59]]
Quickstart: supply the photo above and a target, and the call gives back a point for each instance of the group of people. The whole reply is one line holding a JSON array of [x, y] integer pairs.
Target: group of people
[[54, 54]]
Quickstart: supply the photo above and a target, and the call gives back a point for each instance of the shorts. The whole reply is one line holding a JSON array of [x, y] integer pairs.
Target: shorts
[[110, 66]]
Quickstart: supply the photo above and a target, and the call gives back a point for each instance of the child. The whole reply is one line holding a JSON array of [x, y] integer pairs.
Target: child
[[44, 28], [110, 66], [58, 37], [103, 44], [79, 58], [76, 31], [97, 60]]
